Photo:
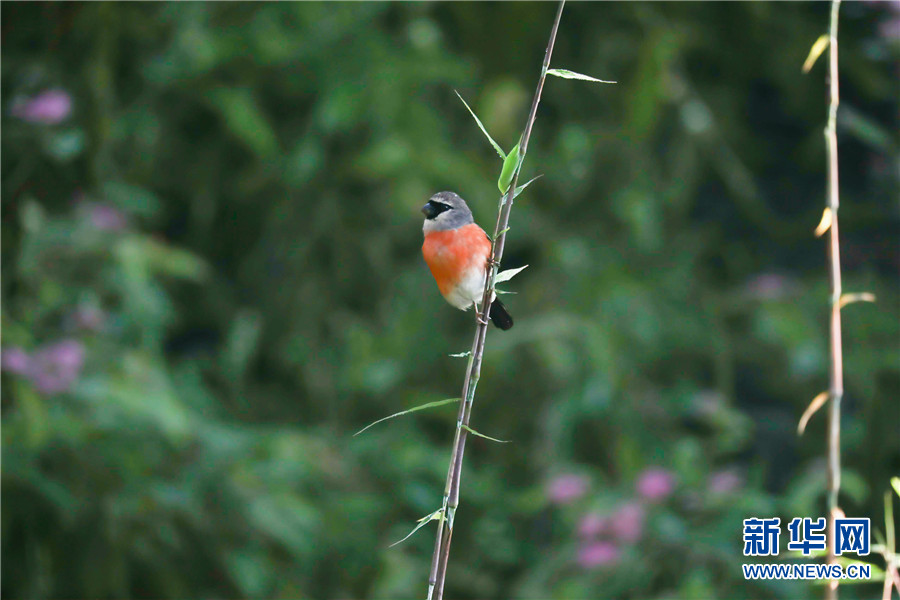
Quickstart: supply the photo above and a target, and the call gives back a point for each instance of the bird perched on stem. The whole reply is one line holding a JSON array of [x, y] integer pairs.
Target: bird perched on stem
[[457, 251]]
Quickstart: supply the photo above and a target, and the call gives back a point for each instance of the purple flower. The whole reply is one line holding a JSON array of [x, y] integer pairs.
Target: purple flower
[[57, 366], [106, 217], [49, 107], [628, 522], [15, 360], [724, 482], [655, 484], [52, 369], [88, 317], [890, 29], [565, 489], [592, 525], [597, 554], [769, 286]]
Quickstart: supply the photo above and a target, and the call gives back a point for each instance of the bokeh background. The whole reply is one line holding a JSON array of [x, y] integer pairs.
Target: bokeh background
[[212, 278]]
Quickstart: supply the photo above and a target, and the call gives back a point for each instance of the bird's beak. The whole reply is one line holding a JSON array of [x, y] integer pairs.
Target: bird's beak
[[429, 210]]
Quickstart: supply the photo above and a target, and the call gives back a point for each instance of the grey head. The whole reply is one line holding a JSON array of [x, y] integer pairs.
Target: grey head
[[445, 211]]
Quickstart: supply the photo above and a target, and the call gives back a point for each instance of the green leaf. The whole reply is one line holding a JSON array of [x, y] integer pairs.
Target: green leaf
[[567, 74], [510, 164], [135, 200], [244, 118], [481, 435], [404, 412], [520, 189], [435, 516], [508, 274], [462, 354], [65, 145], [483, 130], [895, 483]]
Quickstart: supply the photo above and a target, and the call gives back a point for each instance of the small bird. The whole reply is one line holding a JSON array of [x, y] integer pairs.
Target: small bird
[[457, 252]]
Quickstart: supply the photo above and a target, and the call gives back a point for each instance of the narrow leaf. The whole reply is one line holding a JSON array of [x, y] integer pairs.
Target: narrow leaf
[[895, 483], [481, 435], [815, 405], [508, 274], [404, 412], [851, 298], [520, 189], [567, 74], [815, 52], [461, 354], [502, 292], [825, 223], [483, 130], [510, 164], [436, 515]]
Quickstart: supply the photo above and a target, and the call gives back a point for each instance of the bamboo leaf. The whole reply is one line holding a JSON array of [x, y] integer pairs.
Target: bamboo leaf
[[510, 164], [851, 298], [895, 483], [436, 515], [502, 292], [825, 223], [483, 130], [508, 274], [405, 412], [519, 189], [481, 435], [815, 405], [815, 52], [567, 74]]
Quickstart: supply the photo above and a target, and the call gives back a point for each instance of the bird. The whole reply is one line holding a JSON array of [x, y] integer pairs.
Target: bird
[[457, 251]]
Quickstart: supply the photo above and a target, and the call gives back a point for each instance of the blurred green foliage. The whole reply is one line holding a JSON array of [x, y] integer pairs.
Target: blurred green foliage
[[211, 278]]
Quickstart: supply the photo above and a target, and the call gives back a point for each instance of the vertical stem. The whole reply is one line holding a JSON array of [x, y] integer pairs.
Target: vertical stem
[[441, 557], [836, 366]]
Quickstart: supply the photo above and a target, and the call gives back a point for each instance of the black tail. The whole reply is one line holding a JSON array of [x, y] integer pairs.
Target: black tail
[[499, 316]]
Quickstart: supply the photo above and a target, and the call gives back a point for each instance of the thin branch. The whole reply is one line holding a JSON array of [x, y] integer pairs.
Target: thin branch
[[836, 363], [441, 555]]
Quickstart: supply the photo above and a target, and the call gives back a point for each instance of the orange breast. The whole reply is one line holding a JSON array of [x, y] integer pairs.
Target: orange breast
[[450, 254]]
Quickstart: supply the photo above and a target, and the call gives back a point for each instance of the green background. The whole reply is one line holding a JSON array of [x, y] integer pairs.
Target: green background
[[268, 298]]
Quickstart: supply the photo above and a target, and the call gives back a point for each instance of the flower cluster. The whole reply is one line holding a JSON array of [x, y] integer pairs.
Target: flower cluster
[[603, 535], [52, 368]]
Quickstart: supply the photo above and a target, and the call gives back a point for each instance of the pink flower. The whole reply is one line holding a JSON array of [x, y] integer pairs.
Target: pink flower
[[597, 554], [567, 488], [107, 218], [52, 369], [592, 525], [15, 360], [724, 482], [769, 286], [655, 484], [628, 522], [49, 107], [890, 29], [88, 317]]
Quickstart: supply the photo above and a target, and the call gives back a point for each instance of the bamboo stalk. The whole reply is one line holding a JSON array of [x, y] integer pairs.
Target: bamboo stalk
[[441, 556], [836, 366]]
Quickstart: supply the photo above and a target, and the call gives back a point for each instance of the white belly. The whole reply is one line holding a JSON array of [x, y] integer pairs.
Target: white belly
[[469, 291]]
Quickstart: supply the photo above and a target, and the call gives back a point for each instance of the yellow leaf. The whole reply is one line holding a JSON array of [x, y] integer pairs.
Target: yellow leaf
[[815, 52], [825, 223], [851, 298], [815, 405]]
